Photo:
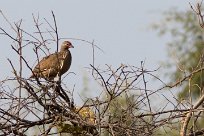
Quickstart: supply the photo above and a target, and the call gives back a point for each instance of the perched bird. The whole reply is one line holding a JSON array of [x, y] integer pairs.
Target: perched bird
[[55, 64]]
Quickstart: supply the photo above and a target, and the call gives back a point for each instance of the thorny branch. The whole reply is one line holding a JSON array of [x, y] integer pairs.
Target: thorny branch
[[125, 105]]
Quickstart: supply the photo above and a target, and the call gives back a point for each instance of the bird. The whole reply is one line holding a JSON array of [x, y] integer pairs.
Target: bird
[[55, 64]]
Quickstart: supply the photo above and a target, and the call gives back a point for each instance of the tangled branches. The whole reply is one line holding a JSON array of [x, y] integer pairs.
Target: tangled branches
[[125, 105]]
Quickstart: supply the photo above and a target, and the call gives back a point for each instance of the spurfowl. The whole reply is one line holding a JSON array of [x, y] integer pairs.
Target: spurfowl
[[55, 64]]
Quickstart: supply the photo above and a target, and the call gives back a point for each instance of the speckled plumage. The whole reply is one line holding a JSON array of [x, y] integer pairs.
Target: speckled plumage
[[55, 64]]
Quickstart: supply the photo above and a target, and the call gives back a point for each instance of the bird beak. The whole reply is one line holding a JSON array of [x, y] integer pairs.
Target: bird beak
[[71, 46]]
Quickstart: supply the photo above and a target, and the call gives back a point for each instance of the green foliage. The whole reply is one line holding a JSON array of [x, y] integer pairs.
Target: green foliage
[[185, 50], [68, 128], [122, 110], [168, 130]]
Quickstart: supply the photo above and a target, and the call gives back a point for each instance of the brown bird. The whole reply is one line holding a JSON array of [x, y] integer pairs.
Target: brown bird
[[55, 64]]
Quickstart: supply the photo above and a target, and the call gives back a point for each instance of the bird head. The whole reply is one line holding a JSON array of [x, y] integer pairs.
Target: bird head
[[66, 45]]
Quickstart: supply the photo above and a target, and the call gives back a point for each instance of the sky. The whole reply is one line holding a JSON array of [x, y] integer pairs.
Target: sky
[[121, 28]]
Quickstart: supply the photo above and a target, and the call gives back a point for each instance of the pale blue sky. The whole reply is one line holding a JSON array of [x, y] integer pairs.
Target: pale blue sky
[[119, 27]]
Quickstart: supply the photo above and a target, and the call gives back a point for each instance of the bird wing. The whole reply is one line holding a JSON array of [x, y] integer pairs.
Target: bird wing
[[50, 63]]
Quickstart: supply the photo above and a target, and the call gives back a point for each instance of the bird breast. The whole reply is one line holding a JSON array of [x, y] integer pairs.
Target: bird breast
[[66, 63]]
